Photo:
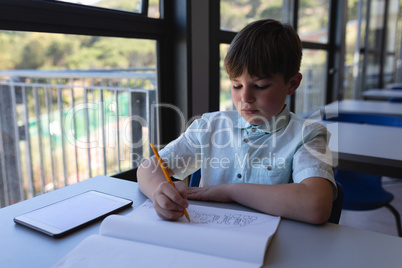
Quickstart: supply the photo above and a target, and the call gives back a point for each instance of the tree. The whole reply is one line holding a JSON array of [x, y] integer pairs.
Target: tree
[[33, 56]]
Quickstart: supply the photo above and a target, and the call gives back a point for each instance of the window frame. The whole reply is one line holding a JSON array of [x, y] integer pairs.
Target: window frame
[[172, 75], [172, 32], [334, 48]]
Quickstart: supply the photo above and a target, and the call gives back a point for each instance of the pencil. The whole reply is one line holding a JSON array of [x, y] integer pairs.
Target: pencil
[[160, 161]]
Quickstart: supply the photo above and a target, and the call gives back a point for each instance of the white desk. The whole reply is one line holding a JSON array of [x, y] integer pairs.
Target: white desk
[[366, 106], [394, 86], [294, 245], [367, 148], [382, 94]]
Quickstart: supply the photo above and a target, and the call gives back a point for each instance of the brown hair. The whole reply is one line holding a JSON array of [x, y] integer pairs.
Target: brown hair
[[264, 48]]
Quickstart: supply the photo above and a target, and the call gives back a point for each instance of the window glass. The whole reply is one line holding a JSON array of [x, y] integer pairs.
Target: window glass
[[311, 93], [309, 96], [398, 48], [126, 5], [372, 70], [363, 60], [226, 102], [237, 14], [376, 24], [391, 41], [351, 58], [389, 69], [313, 20], [82, 104]]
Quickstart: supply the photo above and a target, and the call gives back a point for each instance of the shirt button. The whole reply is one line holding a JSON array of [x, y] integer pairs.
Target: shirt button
[[269, 167], [239, 175], [253, 129], [246, 140]]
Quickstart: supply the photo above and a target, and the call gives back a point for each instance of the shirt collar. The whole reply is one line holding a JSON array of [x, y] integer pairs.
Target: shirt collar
[[278, 122]]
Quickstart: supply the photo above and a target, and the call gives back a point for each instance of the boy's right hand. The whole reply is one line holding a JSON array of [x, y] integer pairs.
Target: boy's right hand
[[169, 202]]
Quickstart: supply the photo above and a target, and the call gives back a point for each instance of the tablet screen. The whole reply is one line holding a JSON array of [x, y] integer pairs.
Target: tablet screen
[[64, 216]]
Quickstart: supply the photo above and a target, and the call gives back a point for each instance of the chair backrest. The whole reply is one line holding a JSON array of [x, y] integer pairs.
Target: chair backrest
[[372, 119], [395, 100], [336, 204], [195, 179]]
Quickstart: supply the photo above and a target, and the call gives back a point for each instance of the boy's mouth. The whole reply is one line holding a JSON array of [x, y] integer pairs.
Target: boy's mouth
[[249, 111]]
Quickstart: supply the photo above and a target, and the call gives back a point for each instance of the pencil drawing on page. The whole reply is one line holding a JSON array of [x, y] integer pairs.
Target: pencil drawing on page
[[228, 219], [213, 217]]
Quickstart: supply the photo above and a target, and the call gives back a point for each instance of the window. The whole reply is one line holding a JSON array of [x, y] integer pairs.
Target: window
[[75, 96], [372, 41], [311, 93], [226, 102], [237, 14], [78, 92], [312, 20]]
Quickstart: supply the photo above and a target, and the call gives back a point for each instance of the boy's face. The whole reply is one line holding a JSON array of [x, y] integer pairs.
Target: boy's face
[[258, 99]]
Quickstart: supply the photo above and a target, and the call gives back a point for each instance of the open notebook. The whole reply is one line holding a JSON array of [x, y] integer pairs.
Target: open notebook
[[215, 237]]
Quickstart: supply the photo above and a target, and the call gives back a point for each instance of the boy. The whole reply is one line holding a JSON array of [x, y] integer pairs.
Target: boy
[[260, 155]]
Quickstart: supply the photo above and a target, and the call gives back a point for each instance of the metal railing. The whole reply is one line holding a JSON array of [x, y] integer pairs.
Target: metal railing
[[61, 127]]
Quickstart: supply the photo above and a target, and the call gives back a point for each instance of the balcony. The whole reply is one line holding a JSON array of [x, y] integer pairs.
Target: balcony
[[61, 127]]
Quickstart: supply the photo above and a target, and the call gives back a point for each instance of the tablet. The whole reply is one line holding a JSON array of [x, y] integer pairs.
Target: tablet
[[66, 216]]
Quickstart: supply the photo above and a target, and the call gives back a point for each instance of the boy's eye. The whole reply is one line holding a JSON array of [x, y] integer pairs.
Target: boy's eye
[[255, 86], [261, 87]]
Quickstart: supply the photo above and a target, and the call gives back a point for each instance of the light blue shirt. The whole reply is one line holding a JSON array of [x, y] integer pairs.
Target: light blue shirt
[[230, 150]]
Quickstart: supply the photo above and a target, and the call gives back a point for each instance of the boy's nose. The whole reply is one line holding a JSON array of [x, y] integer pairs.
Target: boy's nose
[[247, 95]]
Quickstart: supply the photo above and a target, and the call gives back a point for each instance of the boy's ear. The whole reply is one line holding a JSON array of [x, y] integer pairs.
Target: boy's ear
[[294, 83]]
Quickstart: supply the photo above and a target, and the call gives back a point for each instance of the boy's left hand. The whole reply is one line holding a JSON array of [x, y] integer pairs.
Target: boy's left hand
[[217, 193]]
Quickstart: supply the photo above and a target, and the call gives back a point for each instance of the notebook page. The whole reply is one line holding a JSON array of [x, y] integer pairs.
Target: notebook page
[[214, 231], [103, 251]]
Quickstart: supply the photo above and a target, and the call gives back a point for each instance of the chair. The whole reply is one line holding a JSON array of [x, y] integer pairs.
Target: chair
[[336, 204], [130, 175], [395, 87], [395, 100], [364, 191], [195, 179]]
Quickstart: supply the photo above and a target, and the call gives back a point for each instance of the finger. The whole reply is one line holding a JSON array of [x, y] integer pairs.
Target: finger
[[175, 195], [168, 214], [165, 203], [181, 187]]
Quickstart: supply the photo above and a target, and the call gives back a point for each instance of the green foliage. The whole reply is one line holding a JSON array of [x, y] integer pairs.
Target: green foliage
[[272, 12], [132, 5], [22, 50], [237, 14], [26, 50], [8, 46], [353, 6]]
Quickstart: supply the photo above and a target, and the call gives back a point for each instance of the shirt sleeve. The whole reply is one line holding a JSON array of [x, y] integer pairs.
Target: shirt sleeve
[[314, 159], [183, 155]]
